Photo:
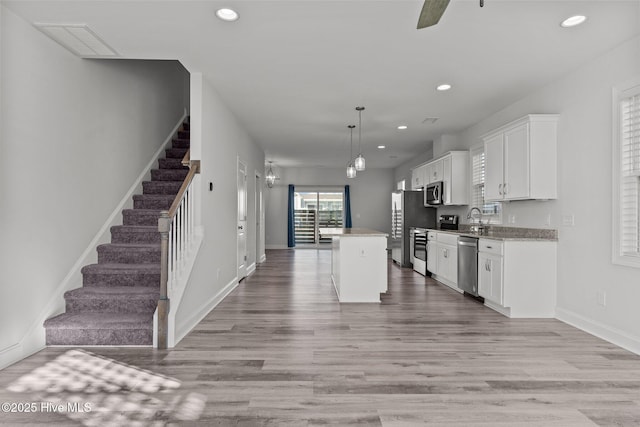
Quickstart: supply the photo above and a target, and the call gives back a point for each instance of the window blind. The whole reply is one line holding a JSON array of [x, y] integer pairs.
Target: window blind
[[630, 180]]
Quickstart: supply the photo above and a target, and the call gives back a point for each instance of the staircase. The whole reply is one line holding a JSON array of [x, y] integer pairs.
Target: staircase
[[120, 293]]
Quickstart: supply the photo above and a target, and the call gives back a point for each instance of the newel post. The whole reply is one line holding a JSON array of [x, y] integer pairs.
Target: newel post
[[164, 224]]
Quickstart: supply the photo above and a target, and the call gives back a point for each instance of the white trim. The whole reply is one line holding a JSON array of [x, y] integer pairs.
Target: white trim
[[34, 338], [251, 268], [14, 353], [617, 93], [600, 330], [441, 280], [263, 258], [192, 321], [505, 311]]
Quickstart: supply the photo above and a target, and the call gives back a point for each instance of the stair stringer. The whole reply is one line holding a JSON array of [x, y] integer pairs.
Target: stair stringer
[[34, 339]]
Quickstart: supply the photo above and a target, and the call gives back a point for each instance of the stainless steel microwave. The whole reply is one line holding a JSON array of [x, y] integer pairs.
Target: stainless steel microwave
[[433, 193]]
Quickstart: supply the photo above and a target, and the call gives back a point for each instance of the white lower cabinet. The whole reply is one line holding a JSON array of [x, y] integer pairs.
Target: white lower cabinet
[[518, 277], [442, 257]]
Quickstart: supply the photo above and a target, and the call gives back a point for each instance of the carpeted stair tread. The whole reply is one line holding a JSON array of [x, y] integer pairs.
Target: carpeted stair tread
[[184, 134], [112, 299], [135, 234], [129, 253], [175, 153], [118, 268], [180, 143], [100, 320], [153, 201], [169, 174], [161, 187], [139, 275], [171, 164], [140, 216]]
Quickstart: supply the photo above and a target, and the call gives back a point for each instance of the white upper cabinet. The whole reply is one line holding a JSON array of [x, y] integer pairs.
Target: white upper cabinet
[[453, 170], [520, 159], [418, 177]]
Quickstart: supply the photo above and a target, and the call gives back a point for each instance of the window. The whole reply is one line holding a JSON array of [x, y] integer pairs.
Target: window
[[626, 192], [491, 211]]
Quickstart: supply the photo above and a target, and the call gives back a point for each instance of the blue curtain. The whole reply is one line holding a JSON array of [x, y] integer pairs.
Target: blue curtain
[[291, 232], [347, 207]]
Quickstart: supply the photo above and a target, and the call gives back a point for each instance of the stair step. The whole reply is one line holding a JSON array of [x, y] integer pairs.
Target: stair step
[[171, 164], [112, 299], [128, 253], [99, 329], [161, 187], [153, 201], [186, 126], [121, 275], [184, 134], [135, 233], [140, 216], [180, 143], [169, 174], [175, 153]]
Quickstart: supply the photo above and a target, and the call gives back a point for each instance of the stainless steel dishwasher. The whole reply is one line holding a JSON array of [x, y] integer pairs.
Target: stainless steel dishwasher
[[468, 265]]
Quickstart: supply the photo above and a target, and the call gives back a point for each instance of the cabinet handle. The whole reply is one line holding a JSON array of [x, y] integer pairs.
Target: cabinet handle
[[489, 247], [505, 188], [489, 265], [500, 189], [486, 265]]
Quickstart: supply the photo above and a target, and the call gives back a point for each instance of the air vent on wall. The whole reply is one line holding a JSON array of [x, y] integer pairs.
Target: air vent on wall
[[79, 39], [430, 120]]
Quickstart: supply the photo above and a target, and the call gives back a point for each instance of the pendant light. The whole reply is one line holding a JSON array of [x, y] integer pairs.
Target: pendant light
[[351, 169], [271, 177], [359, 162]]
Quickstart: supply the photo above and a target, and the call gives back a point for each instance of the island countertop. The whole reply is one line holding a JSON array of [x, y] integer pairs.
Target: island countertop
[[350, 232]]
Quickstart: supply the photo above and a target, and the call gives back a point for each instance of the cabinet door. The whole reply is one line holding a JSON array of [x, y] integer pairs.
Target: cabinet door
[[448, 262], [447, 179], [416, 179], [452, 256], [432, 256], [516, 163], [490, 277], [436, 171], [493, 168]]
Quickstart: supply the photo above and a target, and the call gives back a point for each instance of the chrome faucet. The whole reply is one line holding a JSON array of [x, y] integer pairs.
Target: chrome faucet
[[470, 214]]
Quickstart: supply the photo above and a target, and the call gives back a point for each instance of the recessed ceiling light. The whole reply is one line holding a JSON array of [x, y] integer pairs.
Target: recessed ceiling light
[[573, 21], [227, 14], [402, 127], [443, 87], [382, 147]]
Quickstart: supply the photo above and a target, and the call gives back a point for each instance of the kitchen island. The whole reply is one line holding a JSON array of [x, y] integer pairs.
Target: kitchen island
[[358, 263]]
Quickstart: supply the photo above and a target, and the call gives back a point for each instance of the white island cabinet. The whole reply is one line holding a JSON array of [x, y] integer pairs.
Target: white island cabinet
[[358, 263]]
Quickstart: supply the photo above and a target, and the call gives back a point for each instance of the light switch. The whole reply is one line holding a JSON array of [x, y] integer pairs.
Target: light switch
[[568, 220]]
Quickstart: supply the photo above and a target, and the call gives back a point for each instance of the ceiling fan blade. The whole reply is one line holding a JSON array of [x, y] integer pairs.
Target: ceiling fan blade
[[431, 13]]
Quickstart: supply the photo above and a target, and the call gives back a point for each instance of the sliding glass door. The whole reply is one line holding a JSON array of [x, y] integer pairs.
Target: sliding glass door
[[315, 210]]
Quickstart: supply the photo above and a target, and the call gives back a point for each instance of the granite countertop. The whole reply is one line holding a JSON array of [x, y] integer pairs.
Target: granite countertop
[[506, 233], [351, 232]]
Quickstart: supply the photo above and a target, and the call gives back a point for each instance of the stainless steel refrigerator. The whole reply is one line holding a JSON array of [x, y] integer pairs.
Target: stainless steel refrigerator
[[408, 211]]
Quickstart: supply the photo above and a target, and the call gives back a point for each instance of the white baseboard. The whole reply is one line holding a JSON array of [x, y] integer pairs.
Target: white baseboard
[[192, 321], [277, 247], [34, 340], [262, 259], [607, 333], [251, 268]]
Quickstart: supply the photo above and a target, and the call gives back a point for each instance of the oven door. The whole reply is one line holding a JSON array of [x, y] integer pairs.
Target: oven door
[[433, 194]]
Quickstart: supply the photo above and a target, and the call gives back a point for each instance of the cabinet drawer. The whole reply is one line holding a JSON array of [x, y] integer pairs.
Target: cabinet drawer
[[448, 239], [431, 235], [490, 246]]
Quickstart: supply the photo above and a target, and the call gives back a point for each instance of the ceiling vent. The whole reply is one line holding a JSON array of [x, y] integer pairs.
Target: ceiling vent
[[79, 39], [429, 120]]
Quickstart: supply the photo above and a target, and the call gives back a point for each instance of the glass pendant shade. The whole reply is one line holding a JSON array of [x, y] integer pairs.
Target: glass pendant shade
[[351, 171], [271, 177], [360, 163]]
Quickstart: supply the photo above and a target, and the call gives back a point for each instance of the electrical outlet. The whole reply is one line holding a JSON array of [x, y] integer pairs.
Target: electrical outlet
[[512, 219], [601, 298], [568, 220]]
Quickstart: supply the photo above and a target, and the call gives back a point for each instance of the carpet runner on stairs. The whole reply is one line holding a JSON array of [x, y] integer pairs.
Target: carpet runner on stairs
[[119, 295]]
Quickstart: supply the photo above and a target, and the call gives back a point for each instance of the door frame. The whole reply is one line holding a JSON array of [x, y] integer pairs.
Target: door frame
[[241, 266], [259, 212]]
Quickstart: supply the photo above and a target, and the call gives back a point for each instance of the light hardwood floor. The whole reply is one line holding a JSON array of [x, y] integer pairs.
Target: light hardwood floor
[[281, 351]]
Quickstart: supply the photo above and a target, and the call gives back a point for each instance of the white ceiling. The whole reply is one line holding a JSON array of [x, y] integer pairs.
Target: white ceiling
[[294, 71]]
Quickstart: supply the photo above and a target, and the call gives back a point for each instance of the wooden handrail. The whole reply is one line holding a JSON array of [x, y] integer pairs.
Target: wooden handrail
[[194, 169], [186, 160]]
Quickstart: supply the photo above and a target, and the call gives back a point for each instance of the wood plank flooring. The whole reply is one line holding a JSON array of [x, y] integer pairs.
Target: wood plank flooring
[[281, 351]]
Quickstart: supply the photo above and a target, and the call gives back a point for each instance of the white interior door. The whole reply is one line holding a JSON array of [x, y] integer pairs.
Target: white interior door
[[242, 220], [259, 219]]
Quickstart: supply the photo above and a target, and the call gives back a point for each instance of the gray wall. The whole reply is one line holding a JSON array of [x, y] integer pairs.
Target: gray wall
[[75, 136], [370, 198]]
